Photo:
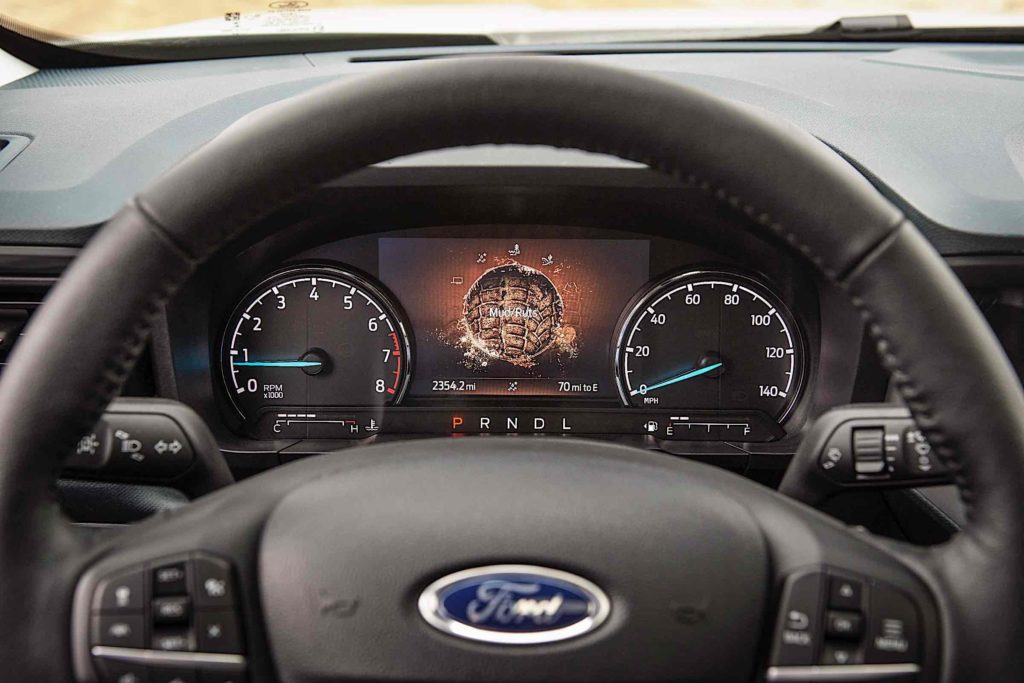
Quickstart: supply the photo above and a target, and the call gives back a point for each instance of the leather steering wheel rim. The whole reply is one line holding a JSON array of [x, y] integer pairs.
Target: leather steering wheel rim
[[942, 356]]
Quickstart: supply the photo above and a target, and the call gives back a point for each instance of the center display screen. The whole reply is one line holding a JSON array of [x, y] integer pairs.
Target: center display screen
[[507, 317]]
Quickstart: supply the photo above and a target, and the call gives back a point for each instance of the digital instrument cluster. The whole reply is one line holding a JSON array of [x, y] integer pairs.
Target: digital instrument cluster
[[469, 335]]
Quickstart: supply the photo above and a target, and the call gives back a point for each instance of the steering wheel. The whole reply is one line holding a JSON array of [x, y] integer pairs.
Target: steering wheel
[[357, 567]]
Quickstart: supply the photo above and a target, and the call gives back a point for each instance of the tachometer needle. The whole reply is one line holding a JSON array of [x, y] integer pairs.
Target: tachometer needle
[[679, 378], [278, 363]]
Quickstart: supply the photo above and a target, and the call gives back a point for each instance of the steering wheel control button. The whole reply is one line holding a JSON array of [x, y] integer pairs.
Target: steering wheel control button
[[172, 675], [173, 640], [217, 631], [867, 623], [844, 625], [842, 655], [893, 629], [120, 631], [170, 579], [214, 587], [172, 620], [845, 593], [121, 594], [172, 610], [221, 677], [798, 635], [122, 672]]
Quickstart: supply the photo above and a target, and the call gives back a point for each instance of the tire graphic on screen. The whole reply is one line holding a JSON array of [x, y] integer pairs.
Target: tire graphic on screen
[[512, 313]]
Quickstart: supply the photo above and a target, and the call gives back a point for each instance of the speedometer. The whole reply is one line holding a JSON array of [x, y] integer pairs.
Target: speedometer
[[315, 336], [709, 340]]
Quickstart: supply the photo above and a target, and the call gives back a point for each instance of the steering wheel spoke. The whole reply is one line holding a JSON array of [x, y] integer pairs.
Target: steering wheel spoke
[[178, 615], [176, 596], [848, 606], [185, 594]]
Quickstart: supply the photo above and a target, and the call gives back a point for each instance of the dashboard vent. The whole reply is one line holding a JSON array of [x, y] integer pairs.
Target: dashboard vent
[[26, 275], [22, 293], [16, 307]]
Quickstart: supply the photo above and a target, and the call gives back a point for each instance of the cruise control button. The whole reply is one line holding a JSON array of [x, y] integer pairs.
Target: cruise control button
[[127, 630], [217, 631], [121, 593], [844, 625], [170, 579], [173, 610], [121, 672], [214, 587]]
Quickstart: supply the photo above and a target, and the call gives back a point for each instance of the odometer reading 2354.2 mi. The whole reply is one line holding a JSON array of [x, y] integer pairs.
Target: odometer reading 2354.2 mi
[[710, 341], [315, 336]]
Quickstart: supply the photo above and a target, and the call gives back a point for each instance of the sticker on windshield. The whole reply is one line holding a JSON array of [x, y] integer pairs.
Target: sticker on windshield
[[282, 16]]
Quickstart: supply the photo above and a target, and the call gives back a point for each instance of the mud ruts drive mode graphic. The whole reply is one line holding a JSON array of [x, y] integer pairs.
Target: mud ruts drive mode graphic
[[513, 317]]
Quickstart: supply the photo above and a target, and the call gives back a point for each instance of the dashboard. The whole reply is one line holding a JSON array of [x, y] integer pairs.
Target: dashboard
[[430, 332], [518, 291]]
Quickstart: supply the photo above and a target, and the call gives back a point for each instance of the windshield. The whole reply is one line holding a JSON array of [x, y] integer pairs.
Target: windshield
[[512, 21]]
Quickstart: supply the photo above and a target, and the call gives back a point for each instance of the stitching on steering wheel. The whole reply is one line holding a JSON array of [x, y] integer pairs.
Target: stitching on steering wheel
[[920, 407], [117, 369]]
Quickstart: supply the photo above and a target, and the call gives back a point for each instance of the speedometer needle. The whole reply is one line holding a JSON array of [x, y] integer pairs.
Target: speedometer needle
[[679, 378], [278, 363]]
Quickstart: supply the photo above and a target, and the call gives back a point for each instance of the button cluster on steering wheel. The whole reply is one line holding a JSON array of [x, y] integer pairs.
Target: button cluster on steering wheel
[[834, 619], [170, 621]]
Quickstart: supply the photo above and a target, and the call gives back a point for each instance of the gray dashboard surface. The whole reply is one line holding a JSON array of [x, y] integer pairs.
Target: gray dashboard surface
[[942, 126]]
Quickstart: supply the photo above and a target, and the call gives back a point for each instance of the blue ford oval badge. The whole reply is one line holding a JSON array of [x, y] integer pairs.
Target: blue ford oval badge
[[514, 605]]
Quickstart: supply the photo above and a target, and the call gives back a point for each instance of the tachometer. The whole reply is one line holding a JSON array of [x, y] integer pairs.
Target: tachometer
[[710, 340], [315, 336]]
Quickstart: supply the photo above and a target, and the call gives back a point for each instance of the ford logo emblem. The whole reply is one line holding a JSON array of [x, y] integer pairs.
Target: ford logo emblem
[[514, 605]]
